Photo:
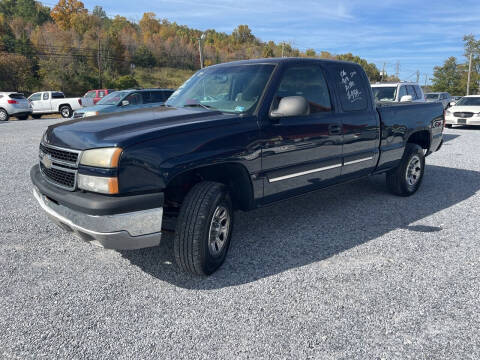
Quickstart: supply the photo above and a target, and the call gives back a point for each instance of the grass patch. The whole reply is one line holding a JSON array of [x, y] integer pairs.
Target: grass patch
[[162, 77]]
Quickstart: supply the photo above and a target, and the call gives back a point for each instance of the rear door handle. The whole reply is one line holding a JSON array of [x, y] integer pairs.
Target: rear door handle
[[334, 129]]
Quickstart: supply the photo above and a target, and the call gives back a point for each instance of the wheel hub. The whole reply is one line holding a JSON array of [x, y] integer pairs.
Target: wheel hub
[[219, 230], [414, 170]]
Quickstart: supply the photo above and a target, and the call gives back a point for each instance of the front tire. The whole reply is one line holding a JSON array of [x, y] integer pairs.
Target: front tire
[[23, 117], [37, 116], [66, 111], [204, 229], [406, 178], [4, 115]]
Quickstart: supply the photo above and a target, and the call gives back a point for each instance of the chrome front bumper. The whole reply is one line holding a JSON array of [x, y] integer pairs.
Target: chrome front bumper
[[127, 231]]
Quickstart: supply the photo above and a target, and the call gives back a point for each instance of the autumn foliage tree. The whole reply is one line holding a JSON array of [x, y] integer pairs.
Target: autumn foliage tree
[[65, 11], [71, 49]]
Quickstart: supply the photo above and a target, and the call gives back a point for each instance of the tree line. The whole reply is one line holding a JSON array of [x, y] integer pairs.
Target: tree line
[[71, 49], [452, 76]]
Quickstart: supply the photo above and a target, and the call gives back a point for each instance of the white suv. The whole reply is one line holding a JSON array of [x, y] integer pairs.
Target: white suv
[[398, 92], [13, 103]]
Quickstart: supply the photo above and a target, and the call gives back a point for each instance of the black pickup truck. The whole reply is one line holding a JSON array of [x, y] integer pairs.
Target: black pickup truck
[[235, 136]]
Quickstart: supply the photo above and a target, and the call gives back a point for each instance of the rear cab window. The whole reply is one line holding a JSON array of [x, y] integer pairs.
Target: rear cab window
[[350, 87], [58, 95]]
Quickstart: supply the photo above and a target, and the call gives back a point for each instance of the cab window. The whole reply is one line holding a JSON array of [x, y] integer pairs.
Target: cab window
[[35, 97], [134, 99], [402, 92], [306, 81]]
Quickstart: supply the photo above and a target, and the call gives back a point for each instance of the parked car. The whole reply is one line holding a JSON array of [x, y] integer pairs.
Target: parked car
[[238, 135], [13, 103], [443, 97], [53, 102], [125, 100], [398, 92], [465, 112], [94, 96]]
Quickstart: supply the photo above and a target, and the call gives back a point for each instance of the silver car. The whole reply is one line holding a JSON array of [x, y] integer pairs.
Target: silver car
[[14, 104]]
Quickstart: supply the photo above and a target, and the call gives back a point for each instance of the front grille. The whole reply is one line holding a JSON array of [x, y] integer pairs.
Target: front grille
[[463, 114], [59, 166], [61, 177], [62, 155]]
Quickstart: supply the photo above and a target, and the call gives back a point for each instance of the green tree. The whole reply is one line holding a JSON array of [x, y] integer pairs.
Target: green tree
[[99, 12], [125, 82], [310, 53], [16, 73], [448, 77], [242, 34], [267, 51], [143, 57]]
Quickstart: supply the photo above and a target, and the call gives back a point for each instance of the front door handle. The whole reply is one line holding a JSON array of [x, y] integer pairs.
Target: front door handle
[[334, 129]]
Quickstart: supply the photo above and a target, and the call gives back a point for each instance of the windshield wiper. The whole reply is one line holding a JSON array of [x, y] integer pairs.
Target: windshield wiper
[[198, 105]]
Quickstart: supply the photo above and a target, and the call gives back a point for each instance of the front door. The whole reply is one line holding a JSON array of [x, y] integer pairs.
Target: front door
[[302, 152]]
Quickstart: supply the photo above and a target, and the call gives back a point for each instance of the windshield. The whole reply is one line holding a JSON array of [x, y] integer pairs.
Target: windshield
[[113, 98], [385, 93], [431, 96], [469, 101], [235, 88]]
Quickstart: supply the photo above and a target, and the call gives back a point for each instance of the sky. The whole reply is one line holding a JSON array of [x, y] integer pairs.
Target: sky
[[417, 34]]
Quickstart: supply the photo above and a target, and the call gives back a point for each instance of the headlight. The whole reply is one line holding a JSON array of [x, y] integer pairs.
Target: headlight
[[476, 115], [98, 184], [90, 113], [104, 157], [448, 112]]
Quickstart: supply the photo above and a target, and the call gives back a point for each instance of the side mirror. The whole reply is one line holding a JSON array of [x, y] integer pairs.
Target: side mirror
[[452, 103], [291, 106], [125, 103], [406, 98]]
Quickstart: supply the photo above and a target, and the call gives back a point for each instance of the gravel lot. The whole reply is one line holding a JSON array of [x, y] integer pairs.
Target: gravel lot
[[350, 272]]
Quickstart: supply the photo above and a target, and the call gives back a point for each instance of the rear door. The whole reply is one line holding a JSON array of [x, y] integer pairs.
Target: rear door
[[358, 117], [302, 152], [44, 105]]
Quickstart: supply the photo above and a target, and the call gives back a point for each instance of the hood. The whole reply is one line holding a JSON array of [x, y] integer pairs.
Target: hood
[[473, 109], [130, 127]]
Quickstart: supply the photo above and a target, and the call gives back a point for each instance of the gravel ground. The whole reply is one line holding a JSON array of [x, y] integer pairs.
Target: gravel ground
[[351, 272]]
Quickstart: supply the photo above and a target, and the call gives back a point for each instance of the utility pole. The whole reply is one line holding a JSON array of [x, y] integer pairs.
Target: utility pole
[[397, 70], [469, 73], [200, 49], [426, 77], [383, 72], [418, 76], [283, 49], [99, 65]]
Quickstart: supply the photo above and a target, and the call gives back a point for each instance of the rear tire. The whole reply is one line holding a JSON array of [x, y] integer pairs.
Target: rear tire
[[23, 117], [4, 115], [204, 229], [37, 116], [407, 177], [66, 111]]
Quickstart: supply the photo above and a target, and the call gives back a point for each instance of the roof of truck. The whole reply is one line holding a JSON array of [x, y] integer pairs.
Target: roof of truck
[[284, 60]]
